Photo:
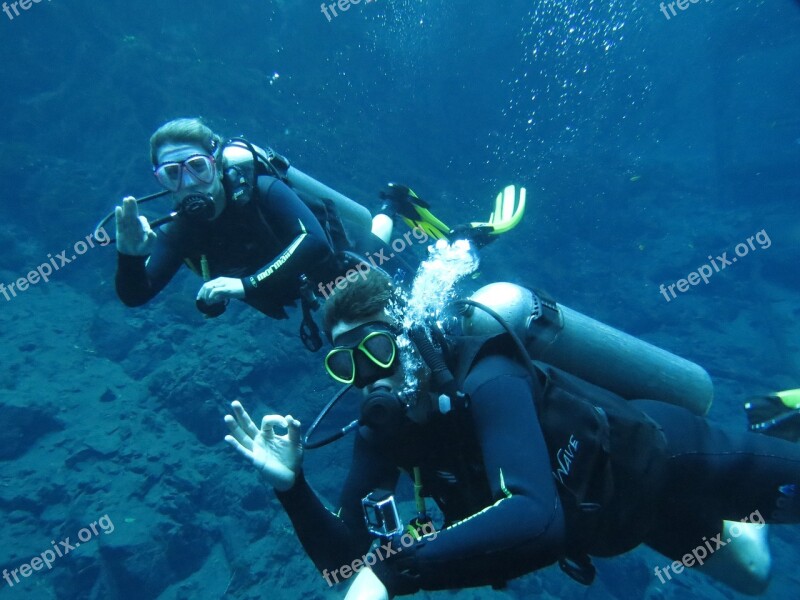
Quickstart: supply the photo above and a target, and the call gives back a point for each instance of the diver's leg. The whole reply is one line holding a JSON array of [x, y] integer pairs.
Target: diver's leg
[[735, 475], [371, 252], [382, 227], [685, 535], [721, 475], [745, 562]]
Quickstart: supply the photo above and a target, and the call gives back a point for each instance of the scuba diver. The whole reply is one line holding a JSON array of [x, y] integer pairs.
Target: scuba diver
[[254, 249], [256, 228], [530, 465]]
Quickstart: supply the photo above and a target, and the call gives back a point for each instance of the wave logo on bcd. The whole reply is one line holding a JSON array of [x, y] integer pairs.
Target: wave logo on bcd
[[564, 457]]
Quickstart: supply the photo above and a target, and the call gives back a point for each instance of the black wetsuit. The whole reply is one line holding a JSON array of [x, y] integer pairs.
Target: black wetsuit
[[267, 242], [492, 475]]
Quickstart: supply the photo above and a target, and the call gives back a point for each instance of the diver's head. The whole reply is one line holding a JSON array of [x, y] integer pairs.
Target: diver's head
[[366, 352], [363, 333], [185, 153]]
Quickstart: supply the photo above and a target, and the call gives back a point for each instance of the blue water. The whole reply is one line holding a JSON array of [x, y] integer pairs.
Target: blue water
[[650, 144]]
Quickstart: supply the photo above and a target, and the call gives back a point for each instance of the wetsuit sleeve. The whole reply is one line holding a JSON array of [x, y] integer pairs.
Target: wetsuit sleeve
[[334, 540], [521, 531], [295, 226], [139, 278]]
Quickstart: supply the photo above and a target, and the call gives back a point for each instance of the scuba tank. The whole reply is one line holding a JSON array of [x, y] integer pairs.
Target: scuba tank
[[590, 350], [356, 218]]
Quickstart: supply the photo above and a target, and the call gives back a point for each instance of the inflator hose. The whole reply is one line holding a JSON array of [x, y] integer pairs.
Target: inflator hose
[[443, 380]]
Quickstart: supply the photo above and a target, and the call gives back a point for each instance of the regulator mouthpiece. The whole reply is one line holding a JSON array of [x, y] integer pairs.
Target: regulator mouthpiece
[[198, 207], [382, 409]]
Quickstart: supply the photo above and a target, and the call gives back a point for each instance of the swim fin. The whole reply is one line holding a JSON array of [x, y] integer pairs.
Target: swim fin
[[414, 211], [776, 415], [509, 207], [508, 210]]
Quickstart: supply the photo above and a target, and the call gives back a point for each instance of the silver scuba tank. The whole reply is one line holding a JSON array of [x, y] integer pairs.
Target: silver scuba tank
[[593, 351], [356, 218]]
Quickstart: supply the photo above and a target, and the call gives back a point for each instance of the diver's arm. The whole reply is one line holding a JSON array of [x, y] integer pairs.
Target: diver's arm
[[140, 278], [279, 460], [296, 226], [335, 540], [521, 531]]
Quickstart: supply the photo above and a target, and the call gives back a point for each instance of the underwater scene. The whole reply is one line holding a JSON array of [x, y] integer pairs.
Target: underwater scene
[[528, 267]]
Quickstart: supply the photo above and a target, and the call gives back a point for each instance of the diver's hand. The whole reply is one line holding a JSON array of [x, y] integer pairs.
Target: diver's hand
[[367, 586], [277, 457], [219, 289], [134, 236]]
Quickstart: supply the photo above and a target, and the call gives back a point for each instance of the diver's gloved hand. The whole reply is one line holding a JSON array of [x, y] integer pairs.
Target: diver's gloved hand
[[220, 289], [277, 457], [134, 236], [367, 586]]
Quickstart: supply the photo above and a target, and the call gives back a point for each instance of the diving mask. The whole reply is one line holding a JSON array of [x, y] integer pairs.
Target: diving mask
[[201, 167], [364, 355]]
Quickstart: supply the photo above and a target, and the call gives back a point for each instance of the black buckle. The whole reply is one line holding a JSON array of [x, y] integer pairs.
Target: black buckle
[[309, 333], [580, 569], [309, 330]]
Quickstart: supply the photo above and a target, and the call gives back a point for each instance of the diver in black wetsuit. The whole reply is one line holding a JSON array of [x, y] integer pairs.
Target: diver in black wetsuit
[[536, 468], [255, 251]]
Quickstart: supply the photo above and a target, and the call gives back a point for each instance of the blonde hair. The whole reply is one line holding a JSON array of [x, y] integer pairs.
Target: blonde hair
[[186, 131]]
